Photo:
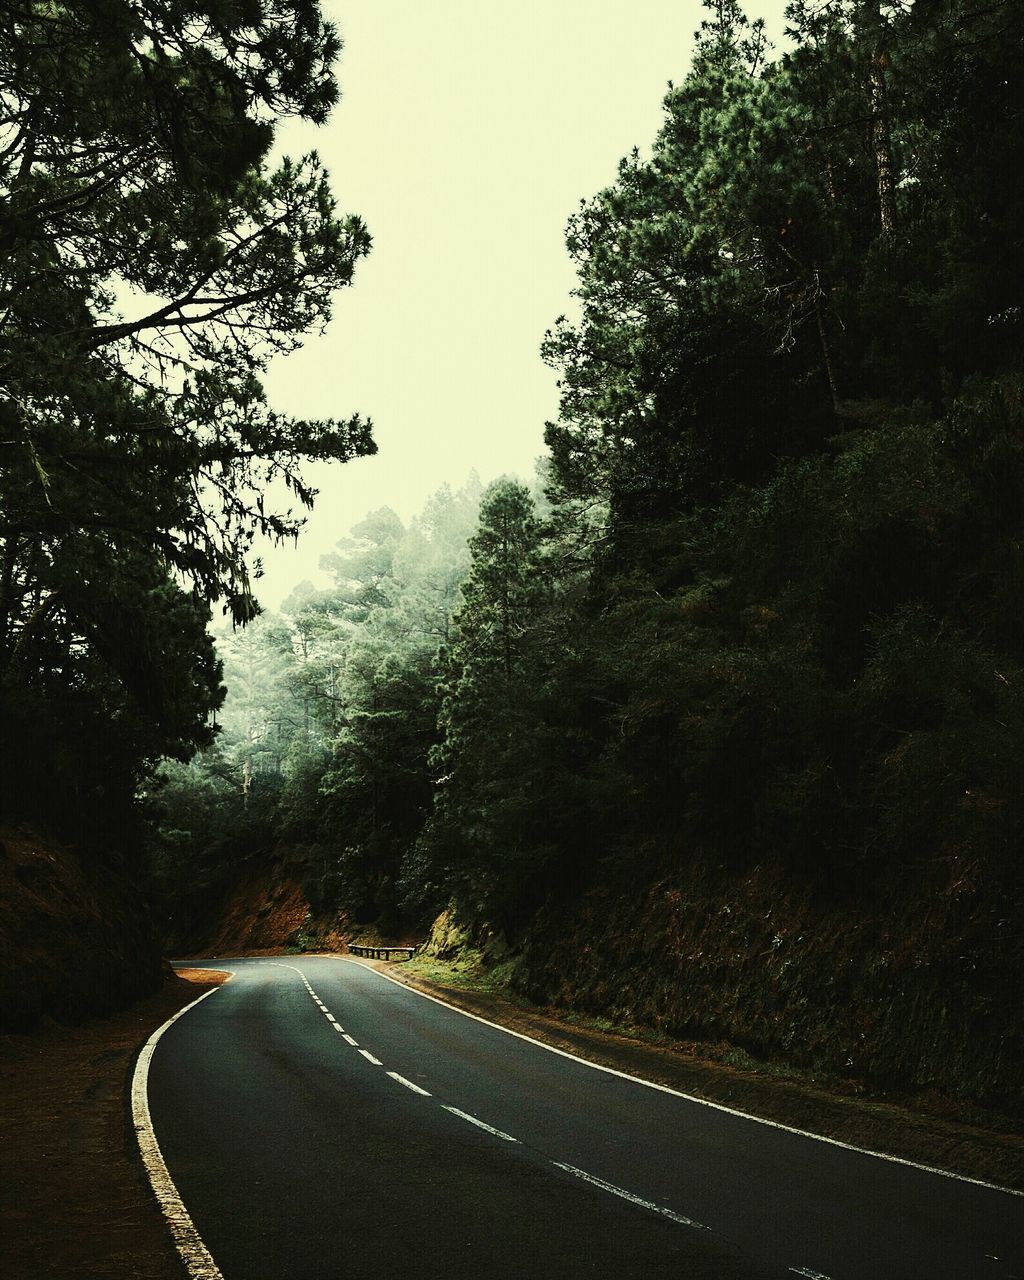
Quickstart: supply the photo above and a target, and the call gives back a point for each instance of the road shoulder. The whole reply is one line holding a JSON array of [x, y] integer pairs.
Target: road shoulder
[[76, 1201]]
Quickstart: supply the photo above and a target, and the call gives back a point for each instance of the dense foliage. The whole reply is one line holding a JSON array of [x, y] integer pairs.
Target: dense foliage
[[770, 604], [795, 389], [155, 255]]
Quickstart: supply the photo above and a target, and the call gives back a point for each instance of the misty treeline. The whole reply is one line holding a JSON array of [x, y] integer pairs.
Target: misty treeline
[[326, 734], [767, 602]]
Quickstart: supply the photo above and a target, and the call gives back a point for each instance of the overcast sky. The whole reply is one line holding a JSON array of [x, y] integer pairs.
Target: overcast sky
[[467, 133]]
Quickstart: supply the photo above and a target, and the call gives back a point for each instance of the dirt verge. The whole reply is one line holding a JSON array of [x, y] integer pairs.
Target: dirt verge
[[75, 1200]]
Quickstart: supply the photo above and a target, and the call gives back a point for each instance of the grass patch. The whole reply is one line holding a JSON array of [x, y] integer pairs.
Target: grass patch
[[468, 972]]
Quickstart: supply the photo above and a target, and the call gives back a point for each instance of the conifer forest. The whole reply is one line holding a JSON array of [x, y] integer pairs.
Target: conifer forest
[[713, 723]]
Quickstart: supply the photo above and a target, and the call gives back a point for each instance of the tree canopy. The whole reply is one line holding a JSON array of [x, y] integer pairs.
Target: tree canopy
[[156, 254]]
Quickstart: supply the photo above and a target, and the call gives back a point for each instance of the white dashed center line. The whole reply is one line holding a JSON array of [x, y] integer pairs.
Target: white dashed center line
[[463, 1115], [639, 1201], [409, 1084], [628, 1195]]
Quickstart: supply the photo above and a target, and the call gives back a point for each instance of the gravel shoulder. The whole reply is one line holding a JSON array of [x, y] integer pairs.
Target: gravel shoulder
[[74, 1198]]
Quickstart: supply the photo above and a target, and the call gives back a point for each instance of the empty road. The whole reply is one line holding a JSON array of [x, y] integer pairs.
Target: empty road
[[319, 1120]]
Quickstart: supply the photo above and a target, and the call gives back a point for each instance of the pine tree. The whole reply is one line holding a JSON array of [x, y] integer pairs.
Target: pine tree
[[487, 763]]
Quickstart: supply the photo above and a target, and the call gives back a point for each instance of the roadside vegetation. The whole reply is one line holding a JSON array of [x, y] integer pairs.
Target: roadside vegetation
[[156, 254]]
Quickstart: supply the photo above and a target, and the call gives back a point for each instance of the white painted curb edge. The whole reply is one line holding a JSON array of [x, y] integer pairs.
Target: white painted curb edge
[[194, 1253], [664, 1088]]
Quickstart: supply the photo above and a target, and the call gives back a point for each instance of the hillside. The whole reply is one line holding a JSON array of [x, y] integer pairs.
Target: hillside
[[917, 993], [76, 939]]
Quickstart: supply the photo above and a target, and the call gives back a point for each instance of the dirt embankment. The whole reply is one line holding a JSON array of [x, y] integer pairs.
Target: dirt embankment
[[265, 910], [75, 940], [914, 988], [76, 1201]]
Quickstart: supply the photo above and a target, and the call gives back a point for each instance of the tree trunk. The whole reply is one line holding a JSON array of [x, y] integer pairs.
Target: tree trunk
[[826, 349], [6, 590], [881, 133]]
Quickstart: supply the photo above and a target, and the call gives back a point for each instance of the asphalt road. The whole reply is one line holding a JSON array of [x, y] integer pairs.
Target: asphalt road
[[404, 1140]]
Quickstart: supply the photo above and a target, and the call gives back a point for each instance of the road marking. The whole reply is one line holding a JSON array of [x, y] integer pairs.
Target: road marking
[[194, 1253], [480, 1124], [196, 1257], [628, 1195], [687, 1097], [377, 1062], [409, 1084]]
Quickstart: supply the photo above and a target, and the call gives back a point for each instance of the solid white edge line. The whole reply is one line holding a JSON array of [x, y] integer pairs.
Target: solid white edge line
[[370, 1058], [464, 1115], [687, 1097], [194, 1253], [409, 1084], [628, 1195]]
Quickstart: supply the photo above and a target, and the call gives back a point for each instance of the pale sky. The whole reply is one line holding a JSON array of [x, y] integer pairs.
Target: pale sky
[[468, 131]]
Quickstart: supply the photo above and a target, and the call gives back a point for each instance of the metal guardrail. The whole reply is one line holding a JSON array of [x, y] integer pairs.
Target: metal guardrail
[[380, 952]]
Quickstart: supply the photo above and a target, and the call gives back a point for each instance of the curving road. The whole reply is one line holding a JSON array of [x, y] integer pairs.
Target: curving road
[[320, 1120]]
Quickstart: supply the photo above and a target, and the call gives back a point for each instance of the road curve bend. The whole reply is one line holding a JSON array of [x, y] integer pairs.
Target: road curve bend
[[316, 1120]]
